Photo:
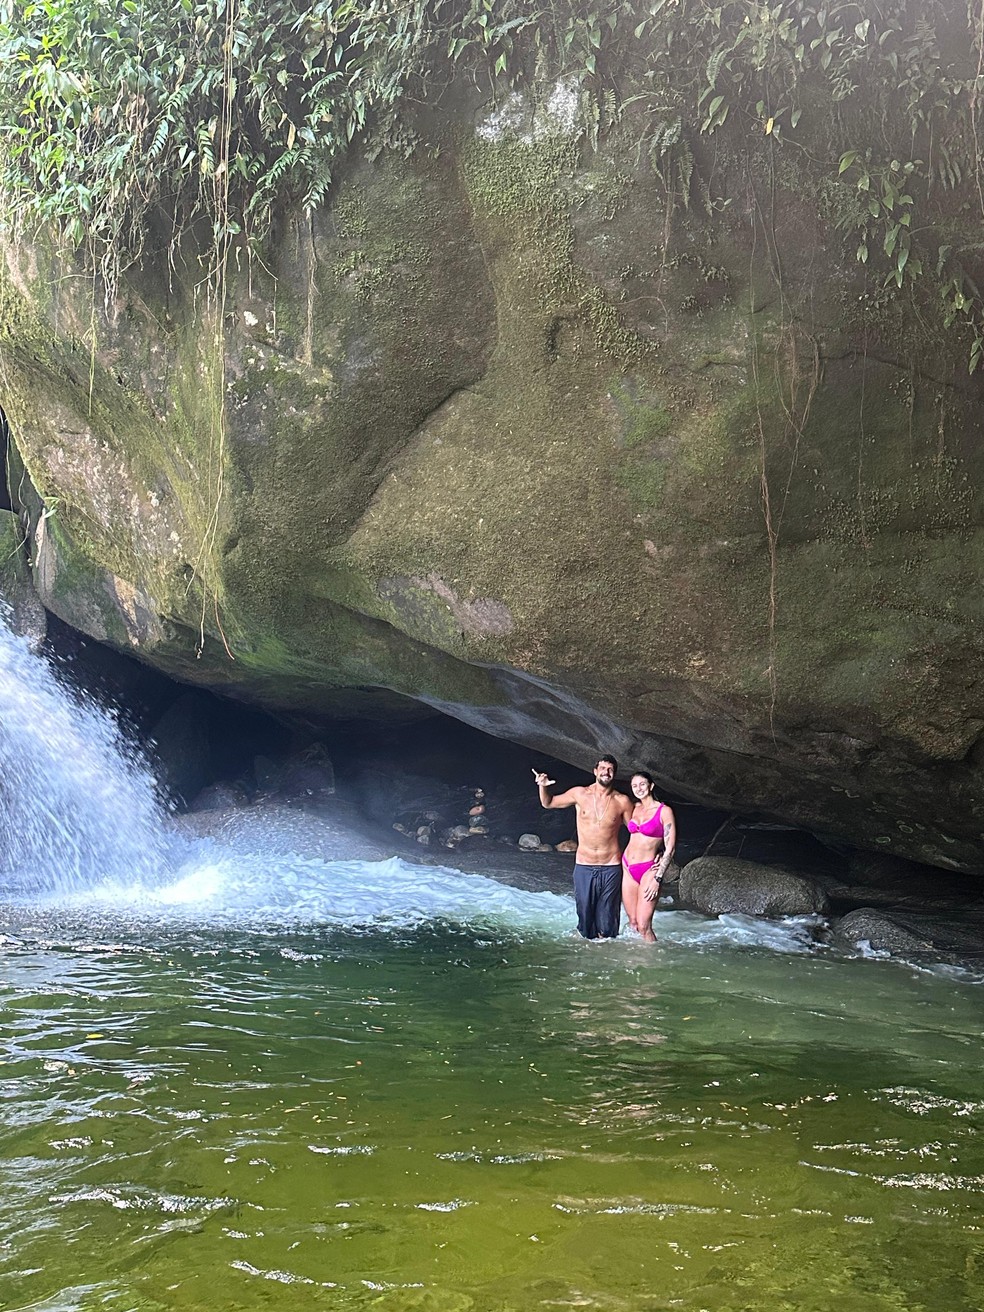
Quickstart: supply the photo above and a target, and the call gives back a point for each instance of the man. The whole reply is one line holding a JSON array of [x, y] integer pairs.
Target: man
[[601, 812]]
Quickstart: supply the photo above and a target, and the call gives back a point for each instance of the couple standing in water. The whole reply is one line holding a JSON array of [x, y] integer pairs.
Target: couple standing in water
[[604, 878]]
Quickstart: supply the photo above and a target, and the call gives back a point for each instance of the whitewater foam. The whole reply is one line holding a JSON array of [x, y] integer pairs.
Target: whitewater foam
[[77, 803]]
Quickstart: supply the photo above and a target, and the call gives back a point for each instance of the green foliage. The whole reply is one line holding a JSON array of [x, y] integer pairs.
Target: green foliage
[[120, 122], [127, 123], [884, 213], [886, 95]]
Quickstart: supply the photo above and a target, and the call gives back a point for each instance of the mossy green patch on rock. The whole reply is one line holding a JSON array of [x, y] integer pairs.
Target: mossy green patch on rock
[[644, 420]]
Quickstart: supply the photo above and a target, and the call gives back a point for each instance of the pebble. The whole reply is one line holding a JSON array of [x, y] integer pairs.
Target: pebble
[[529, 842]]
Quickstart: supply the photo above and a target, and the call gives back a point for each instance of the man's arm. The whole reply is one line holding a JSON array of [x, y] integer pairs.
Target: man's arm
[[561, 800]]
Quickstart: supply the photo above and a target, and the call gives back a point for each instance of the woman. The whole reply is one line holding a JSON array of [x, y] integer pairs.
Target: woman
[[652, 838]]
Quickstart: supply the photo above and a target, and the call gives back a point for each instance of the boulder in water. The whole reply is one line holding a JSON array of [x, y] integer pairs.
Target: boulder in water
[[720, 885], [529, 842], [308, 778], [909, 934], [671, 875]]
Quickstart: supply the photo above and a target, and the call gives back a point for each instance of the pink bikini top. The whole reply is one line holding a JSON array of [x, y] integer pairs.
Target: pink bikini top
[[651, 828]]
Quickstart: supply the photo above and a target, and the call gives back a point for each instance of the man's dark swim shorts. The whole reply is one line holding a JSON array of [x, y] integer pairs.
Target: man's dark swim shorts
[[598, 894]]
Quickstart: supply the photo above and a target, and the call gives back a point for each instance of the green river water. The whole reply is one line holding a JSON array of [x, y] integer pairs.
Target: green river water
[[448, 1112]]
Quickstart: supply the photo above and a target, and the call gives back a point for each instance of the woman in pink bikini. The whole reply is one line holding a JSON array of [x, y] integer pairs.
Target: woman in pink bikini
[[652, 838]]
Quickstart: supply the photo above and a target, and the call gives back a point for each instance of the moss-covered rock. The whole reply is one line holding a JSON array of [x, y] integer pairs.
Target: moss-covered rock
[[20, 605], [507, 431]]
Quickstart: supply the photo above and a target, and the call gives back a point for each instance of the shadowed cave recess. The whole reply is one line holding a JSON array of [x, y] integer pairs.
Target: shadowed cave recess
[[5, 501]]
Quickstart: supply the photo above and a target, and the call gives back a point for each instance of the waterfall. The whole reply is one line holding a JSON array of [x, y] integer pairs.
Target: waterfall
[[77, 804]]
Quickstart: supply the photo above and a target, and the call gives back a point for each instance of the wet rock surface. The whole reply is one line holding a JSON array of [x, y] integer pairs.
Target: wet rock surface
[[24, 612], [919, 937]]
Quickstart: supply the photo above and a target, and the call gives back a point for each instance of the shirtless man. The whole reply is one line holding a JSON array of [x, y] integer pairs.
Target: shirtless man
[[601, 812]]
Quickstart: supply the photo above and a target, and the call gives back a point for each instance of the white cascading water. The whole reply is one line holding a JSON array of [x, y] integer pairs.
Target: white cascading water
[[77, 805]]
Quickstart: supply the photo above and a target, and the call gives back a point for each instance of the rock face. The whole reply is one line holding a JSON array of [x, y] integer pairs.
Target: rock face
[[24, 611], [508, 432], [720, 885]]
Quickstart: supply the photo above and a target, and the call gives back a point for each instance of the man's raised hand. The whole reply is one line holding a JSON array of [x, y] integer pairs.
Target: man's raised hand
[[542, 780]]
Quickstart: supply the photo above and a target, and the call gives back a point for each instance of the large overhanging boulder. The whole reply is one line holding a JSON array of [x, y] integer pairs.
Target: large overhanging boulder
[[501, 432]]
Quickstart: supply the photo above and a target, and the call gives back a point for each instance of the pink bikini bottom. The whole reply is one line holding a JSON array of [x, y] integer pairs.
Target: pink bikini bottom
[[638, 868]]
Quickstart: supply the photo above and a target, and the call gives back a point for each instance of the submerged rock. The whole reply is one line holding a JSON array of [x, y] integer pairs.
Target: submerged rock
[[909, 934], [717, 885]]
